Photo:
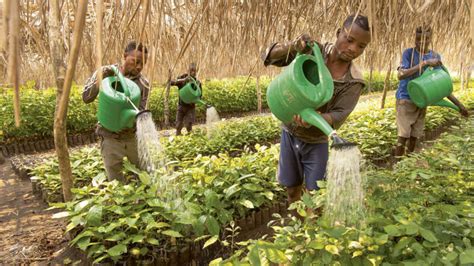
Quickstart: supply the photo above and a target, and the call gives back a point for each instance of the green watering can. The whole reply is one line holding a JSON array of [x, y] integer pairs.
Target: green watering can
[[431, 87], [118, 101], [305, 85], [191, 93]]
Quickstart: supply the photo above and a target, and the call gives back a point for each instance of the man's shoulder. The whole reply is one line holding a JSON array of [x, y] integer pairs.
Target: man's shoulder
[[356, 73], [435, 54], [143, 80]]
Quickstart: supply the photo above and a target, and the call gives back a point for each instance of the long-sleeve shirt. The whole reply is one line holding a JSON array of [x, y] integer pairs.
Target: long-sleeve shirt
[[347, 91], [180, 82], [91, 90]]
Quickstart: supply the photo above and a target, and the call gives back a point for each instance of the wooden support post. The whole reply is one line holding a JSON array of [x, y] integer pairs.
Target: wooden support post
[[60, 132], [386, 85], [14, 56], [259, 94], [166, 100]]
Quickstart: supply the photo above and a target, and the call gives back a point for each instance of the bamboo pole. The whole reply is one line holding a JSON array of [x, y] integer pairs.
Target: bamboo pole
[[98, 37], [14, 57], [259, 95], [167, 101], [4, 34], [386, 85], [60, 137]]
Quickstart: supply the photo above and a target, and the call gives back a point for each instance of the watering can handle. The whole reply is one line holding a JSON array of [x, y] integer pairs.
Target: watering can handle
[[121, 80]]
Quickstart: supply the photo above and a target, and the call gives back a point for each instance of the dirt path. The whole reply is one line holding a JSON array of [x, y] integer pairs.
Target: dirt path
[[28, 235]]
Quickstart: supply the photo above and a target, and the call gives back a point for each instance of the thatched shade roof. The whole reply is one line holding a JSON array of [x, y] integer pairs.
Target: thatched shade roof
[[226, 38]]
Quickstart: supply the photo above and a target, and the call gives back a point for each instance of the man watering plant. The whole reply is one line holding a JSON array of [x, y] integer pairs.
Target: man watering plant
[[410, 118], [117, 145], [186, 111], [304, 148]]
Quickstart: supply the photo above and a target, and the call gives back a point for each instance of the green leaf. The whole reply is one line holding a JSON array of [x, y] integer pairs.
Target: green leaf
[[254, 255], [210, 241], [116, 237], [145, 178], [428, 235], [137, 238], [83, 243], [215, 262], [316, 244], [153, 241], [247, 203], [60, 215], [332, 249], [117, 250], [172, 233], [411, 228], [467, 256], [275, 255], [94, 216], [212, 225], [392, 230], [81, 205], [252, 187], [357, 253]]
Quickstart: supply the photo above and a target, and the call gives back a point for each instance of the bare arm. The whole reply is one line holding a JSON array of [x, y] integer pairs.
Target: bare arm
[[91, 89], [462, 109]]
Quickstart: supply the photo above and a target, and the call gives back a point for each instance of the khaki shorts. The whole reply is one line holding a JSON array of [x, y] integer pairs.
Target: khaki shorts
[[410, 119]]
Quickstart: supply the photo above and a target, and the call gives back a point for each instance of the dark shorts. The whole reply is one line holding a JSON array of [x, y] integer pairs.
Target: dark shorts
[[185, 115], [301, 162]]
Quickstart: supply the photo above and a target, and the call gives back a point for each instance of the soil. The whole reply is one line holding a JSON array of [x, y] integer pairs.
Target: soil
[[28, 234]]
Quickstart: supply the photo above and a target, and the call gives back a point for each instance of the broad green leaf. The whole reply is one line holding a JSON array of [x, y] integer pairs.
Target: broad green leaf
[[275, 255], [411, 228], [60, 215], [94, 216], [117, 250], [215, 262], [83, 243], [332, 249], [81, 205], [392, 230], [357, 253], [212, 225], [145, 178], [252, 187], [428, 235], [153, 241], [247, 203], [210, 241], [316, 244], [137, 238], [254, 256], [171, 233], [467, 257], [116, 237]]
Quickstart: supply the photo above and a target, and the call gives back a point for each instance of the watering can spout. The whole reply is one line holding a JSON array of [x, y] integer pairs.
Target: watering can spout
[[315, 119], [339, 143], [202, 102], [446, 103]]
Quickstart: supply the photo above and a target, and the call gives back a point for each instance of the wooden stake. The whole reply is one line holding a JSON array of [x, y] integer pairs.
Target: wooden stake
[[386, 85], [60, 137], [98, 37], [166, 100], [14, 58], [259, 95], [4, 33]]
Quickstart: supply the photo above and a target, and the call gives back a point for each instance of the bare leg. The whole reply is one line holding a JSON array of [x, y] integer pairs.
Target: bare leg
[[400, 148], [411, 145]]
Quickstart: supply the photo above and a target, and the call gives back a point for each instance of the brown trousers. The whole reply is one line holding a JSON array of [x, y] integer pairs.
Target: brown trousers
[[113, 151]]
